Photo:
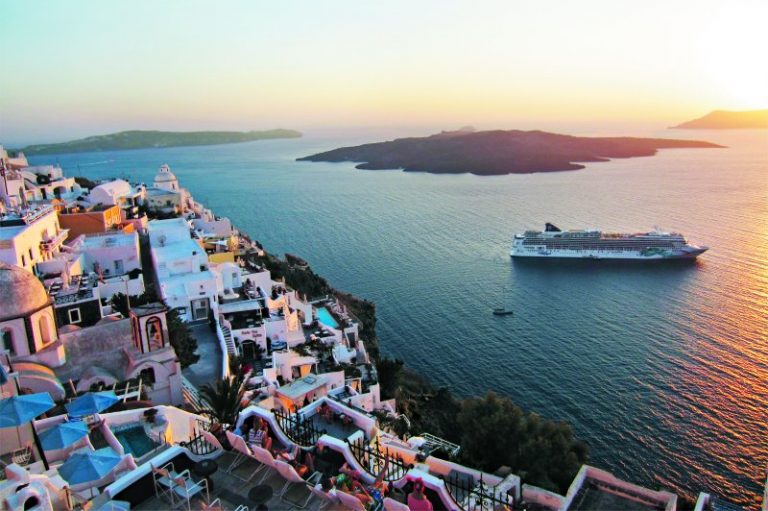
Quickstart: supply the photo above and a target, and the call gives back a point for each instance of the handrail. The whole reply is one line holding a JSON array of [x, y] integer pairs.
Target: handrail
[[375, 460], [441, 443], [301, 431], [472, 496]]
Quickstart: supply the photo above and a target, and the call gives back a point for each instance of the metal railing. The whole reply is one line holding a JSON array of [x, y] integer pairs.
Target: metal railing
[[198, 445], [375, 459], [302, 431], [477, 496], [437, 443]]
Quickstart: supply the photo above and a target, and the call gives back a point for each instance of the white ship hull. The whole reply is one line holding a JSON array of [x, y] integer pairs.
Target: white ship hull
[[662, 255], [553, 243]]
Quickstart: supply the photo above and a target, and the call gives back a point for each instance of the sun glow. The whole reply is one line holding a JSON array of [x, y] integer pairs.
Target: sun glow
[[733, 55]]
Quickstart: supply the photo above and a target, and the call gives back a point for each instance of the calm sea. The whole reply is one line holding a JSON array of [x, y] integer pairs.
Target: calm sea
[[663, 370]]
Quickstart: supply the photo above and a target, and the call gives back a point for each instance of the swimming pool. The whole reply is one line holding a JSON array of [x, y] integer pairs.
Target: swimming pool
[[324, 317], [135, 440]]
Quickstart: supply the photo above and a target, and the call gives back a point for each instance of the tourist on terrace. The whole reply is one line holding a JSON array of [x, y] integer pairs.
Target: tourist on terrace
[[258, 435], [318, 458], [326, 412], [326, 485], [350, 484], [417, 501], [302, 463], [374, 492]]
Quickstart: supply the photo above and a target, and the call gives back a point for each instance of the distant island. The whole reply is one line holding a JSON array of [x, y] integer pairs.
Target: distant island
[[497, 152], [143, 139], [724, 120]]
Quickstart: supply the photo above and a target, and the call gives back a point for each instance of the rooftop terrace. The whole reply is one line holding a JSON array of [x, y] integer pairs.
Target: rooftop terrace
[[599, 496], [234, 489]]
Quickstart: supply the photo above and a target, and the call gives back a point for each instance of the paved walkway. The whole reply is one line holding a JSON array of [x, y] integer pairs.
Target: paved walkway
[[208, 368]]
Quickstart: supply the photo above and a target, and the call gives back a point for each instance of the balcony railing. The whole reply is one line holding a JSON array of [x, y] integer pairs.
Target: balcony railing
[[375, 459], [480, 496], [301, 431], [52, 244]]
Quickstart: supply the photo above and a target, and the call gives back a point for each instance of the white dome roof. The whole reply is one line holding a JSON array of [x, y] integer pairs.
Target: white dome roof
[[164, 175], [21, 293], [116, 188]]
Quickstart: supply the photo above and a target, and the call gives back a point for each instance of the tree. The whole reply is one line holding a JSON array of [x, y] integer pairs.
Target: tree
[[224, 399], [495, 432], [181, 339], [390, 374], [119, 302], [84, 182]]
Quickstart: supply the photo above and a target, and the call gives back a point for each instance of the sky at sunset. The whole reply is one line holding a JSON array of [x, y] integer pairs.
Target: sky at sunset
[[78, 68]]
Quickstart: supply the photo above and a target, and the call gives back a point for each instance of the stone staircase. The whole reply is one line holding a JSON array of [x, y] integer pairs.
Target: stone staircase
[[230, 343]]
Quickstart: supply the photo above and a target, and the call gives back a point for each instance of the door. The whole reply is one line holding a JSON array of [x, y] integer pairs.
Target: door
[[200, 309]]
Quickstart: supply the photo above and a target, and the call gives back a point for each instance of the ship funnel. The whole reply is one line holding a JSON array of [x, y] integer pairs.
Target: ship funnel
[[551, 227]]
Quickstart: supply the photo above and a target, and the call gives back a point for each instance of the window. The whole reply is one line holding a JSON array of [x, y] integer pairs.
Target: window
[[118, 266], [200, 308], [7, 337], [30, 255], [74, 315], [147, 376], [155, 333], [23, 261], [45, 328]]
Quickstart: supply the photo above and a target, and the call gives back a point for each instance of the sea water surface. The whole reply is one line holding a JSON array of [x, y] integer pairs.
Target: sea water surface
[[662, 369]]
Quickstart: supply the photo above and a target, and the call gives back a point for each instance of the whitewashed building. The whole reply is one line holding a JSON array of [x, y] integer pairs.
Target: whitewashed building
[[181, 265], [30, 236]]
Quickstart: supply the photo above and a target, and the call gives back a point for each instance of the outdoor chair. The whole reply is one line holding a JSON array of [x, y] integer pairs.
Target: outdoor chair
[[293, 478], [241, 448], [163, 481], [326, 499], [267, 461], [350, 501], [213, 506], [394, 505], [22, 456], [185, 488]]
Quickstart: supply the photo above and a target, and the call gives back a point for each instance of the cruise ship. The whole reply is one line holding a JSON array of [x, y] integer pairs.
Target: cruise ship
[[594, 244]]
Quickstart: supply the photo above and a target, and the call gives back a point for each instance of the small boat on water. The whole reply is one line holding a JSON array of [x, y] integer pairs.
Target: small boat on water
[[500, 311]]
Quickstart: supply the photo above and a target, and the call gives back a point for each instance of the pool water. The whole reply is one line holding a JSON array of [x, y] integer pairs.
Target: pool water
[[135, 441], [324, 317]]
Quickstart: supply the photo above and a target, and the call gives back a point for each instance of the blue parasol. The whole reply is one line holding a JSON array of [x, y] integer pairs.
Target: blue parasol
[[18, 410], [63, 435], [91, 403], [22, 409], [87, 466]]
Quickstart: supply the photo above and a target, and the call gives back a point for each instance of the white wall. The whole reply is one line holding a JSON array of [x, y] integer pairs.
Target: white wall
[[28, 240]]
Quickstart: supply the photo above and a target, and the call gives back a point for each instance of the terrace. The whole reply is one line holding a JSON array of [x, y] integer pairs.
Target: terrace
[[597, 497], [244, 319], [24, 216], [597, 490], [80, 288], [229, 488]]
